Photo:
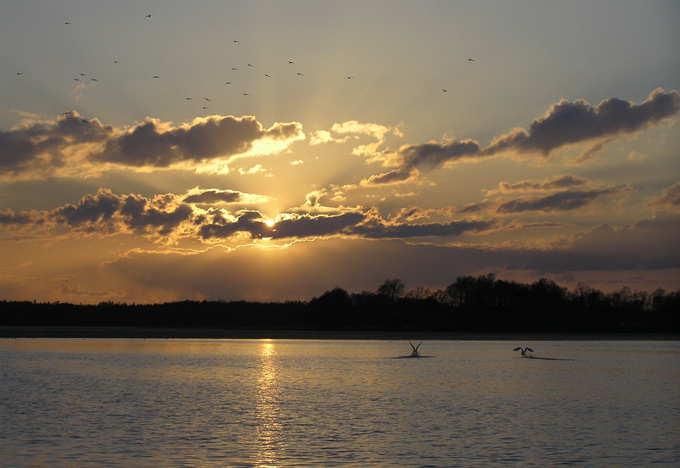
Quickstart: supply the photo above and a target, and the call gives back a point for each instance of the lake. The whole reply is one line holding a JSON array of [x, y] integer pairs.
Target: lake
[[269, 403]]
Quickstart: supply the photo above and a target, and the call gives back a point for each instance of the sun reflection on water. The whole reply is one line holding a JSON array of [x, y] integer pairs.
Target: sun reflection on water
[[268, 410]]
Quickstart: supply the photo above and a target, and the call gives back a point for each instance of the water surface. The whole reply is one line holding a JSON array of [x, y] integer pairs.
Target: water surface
[[249, 403]]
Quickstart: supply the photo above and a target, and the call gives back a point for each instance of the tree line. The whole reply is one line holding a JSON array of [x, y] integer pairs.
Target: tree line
[[469, 304]]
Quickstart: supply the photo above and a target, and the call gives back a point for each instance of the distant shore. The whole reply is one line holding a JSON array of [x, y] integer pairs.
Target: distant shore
[[215, 333]]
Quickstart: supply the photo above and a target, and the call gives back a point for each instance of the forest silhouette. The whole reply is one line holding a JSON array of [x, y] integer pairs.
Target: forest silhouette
[[469, 304]]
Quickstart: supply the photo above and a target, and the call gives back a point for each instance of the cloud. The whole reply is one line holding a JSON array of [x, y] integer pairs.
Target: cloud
[[294, 272], [542, 185], [213, 196], [155, 144], [199, 196], [42, 149], [73, 146], [568, 123], [351, 129], [10, 218], [405, 231], [400, 175], [560, 201], [434, 154], [670, 197], [647, 244]]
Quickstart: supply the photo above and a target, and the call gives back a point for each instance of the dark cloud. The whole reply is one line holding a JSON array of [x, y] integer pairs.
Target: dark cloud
[[396, 176], [313, 226], [70, 142], [90, 209], [295, 273], [219, 227], [648, 244], [8, 218], [40, 147], [140, 214], [435, 154], [155, 145], [560, 201], [558, 182], [474, 207], [670, 196], [299, 226], [213, 196], [107, 213], [565, 123], [404, 231], [575, 122]]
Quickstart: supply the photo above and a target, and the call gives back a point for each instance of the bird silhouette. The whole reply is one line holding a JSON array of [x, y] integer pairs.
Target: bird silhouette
[[414, 353], [207, 99], [523, 351], [148, 16], [445, 90], [470, 60], [349, 77]]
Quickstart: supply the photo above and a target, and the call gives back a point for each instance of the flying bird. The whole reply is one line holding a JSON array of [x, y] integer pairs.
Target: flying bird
[[470, 60], [445, 90], [234, 68], [415, 349], [94, 79], [228, 82], [267, 75], [207, 99], [188, 99], [156, 76], [523, 351], [250, 65], [349, 77], [148, 16], [66, 22], [299, 74], [19, 73], [291, 63], [236, 42], [246, 94]]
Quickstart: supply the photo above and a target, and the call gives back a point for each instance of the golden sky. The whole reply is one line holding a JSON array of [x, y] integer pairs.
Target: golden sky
[[165, 150]]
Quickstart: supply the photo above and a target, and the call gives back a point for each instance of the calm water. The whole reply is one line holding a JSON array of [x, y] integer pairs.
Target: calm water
[[168, 403]]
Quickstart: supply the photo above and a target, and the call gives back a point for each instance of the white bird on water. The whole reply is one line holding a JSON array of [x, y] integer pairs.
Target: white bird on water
[[523, 351]]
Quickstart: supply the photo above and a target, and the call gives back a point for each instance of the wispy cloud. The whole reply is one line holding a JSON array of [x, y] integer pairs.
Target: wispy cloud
[[566, 200]]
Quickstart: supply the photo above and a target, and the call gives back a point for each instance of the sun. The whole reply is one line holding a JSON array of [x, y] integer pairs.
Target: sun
[[269, 222]]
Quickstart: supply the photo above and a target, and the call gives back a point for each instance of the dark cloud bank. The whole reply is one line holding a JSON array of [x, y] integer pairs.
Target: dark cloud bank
[[566, 123], [41, 149]]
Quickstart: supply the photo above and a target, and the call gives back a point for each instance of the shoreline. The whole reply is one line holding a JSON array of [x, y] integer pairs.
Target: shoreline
[[214, 333]]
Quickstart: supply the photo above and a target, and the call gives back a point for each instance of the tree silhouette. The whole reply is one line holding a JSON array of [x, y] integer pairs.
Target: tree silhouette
[[392, 289]]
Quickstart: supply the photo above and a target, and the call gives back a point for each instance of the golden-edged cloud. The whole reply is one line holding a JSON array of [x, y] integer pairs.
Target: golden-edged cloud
[[73, 146]]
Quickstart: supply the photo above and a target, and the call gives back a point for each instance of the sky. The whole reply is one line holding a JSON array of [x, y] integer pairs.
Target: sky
[[155, 151]]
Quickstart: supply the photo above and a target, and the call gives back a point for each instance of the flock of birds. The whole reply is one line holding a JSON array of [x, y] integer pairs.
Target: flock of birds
[[82, 77]]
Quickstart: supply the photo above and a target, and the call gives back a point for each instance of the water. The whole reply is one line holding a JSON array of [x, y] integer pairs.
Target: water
[[169, 403]]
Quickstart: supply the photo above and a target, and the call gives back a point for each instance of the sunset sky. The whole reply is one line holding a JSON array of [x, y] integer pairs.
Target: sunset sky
[[166, 150]]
